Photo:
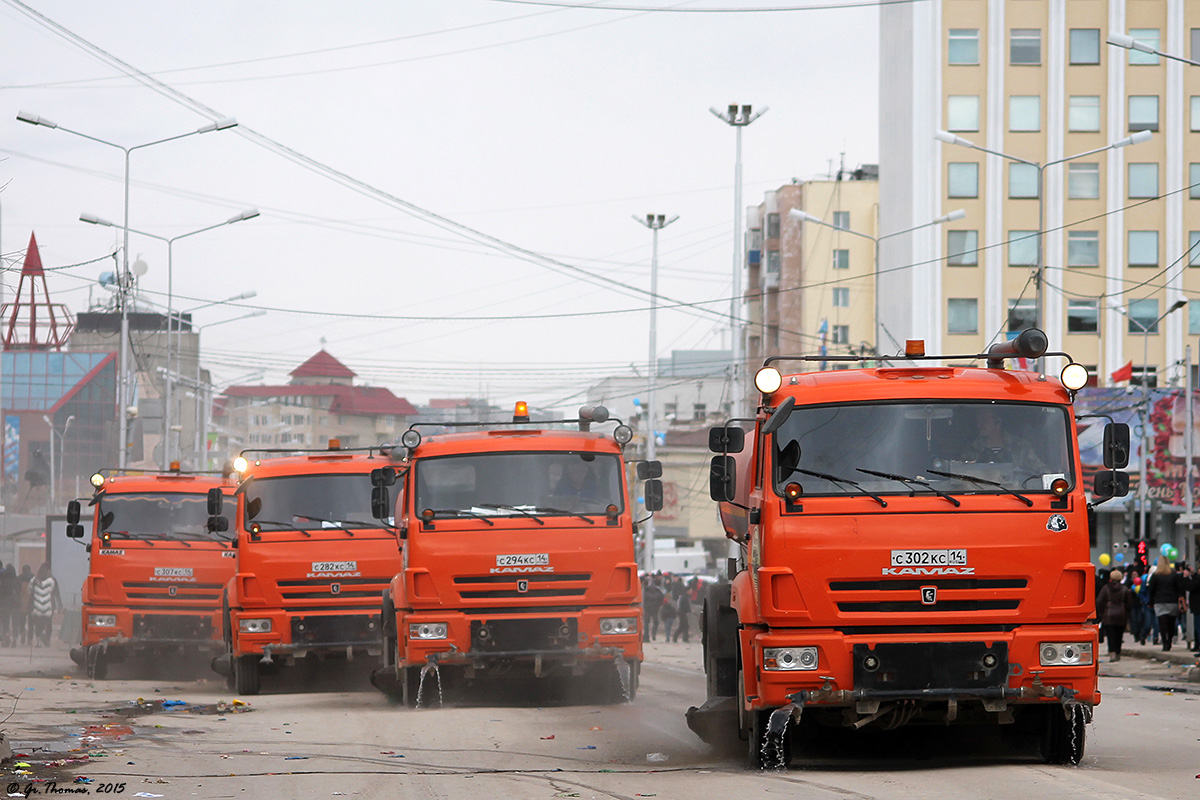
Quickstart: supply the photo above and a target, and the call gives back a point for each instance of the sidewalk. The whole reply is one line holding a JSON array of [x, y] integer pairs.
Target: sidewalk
[[1179, 653]]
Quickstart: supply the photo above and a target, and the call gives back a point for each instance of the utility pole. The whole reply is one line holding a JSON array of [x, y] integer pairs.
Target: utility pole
[[655, 222], [738, 118]]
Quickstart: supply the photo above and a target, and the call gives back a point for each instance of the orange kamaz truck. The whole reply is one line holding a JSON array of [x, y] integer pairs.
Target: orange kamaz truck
[[914, 550], [155, 568], [311, 562], [518, 559]]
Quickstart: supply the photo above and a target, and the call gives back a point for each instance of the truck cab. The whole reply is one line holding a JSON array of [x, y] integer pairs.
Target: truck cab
[[914, 550], [155, 568], [518, 545], [311, 563]]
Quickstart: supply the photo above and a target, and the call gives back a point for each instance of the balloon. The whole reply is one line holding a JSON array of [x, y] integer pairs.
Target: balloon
[[1137, 581], [1137, 587], [1120, 557], [1165, 548], [1105, 559]]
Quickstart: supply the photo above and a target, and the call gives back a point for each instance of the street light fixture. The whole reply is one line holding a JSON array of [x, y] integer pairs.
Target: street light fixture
[[1130, 43], [1039, 283], [172, 344], [1144, 411], [804, 216], [123, 284], [204, 398]]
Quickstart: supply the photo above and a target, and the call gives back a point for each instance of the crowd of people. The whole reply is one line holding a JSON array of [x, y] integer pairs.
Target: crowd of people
[[28, 603], [672, 601], [1151, 604]]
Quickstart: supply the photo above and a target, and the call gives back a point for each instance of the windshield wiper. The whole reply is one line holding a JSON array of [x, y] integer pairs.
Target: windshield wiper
[[519, 510], [550, 510], [835, 479], [437, 511], [983, 481], [128, 535], [910, 482], [336, 523], [283, 526]]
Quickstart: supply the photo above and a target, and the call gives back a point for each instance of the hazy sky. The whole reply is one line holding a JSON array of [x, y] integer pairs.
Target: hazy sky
[[546, 128]]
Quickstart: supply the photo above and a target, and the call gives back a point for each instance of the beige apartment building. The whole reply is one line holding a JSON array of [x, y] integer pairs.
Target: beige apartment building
[[1035, 81], [811, 282]]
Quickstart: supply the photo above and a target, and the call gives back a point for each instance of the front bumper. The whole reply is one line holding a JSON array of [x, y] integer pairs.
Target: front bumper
[[297, 634], [149, 630]]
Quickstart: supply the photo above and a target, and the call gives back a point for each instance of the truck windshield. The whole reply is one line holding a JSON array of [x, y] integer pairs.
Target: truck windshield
[[158, 515], [309, 502], [519, 484], [952, 446]]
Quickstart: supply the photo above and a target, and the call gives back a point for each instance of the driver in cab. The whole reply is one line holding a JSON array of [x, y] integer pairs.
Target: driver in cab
[[997, 443]]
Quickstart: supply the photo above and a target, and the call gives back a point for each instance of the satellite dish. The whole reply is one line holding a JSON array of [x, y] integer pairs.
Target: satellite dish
[[140, 267], [108, 280]]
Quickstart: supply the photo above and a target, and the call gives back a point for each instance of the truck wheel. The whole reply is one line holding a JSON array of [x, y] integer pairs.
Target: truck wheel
[[718, 628], [1065, 735], [245, 674], [387, 627]]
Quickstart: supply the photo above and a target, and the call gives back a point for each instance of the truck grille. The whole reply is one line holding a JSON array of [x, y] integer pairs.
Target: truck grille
[[969, 594], [515, 587], [347, 589], [172, 626], [199, 593], [335, 629], [518, 635]]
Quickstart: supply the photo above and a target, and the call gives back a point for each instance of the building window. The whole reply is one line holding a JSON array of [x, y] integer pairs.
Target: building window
[[841, 259], [1194, 116], [841, 334], [699, 411], [1143, 316], [1083, 181], [1143, 180], [1083, 316], [1025, 113], [963, 248], [841, 297], [841, 219], [1083, 249], [1022, 180], [964, 46], [1193, 307], [964, 179], [772, 226], [962, 112], [1022, 314], [1083, 112], [1085, 45], [1145, 36], [1143, 248], [1025, 46], [772, 262], [1022, 248], [962, 315], [1143, 112], [1194, 248], [1194, 181]]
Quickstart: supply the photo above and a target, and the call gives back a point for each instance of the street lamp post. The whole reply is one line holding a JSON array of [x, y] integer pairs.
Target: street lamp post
[[204, 392], [804, 216], [1039, 283], [1130, 43], [62, 441], [738, 118], [171, 324], [1144, 412], [655, 222], [123, 284]]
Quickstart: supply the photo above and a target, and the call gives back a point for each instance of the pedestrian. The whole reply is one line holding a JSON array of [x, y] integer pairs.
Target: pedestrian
[[652, 598], [1114, 606], [21, 606], [1193, 590], [684, 607], [43, 602], [8, 587], [1165, 597], [668, 613]]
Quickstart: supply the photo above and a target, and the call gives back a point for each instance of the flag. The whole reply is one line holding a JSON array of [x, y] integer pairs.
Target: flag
[[1125, 373]]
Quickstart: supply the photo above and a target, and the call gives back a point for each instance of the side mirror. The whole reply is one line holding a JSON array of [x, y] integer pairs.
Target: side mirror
[[106, 519], [779, 416], [1110, 484], [722, 478], [253, 506], [1116, 445], [384, 476], [75, 531], [73, 512], [217, 524], [649, 469], [726, 439], [216, 500], [654, 495], [379, 500]]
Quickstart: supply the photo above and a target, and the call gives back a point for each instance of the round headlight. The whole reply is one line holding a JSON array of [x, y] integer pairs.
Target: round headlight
[[411, 438], [623, 434], [1074, 376], [240, 464], [768, 380], [1049, 654], [97, 480]]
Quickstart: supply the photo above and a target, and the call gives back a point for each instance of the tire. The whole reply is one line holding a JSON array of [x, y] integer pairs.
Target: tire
[[387, 627], [245, 674], [1065, 735], [718, 635]]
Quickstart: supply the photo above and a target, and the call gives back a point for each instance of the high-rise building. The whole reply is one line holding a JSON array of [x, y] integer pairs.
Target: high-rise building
[[1034, 80]]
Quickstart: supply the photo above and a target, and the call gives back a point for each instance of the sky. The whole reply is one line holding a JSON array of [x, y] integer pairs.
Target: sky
[[455, 216]]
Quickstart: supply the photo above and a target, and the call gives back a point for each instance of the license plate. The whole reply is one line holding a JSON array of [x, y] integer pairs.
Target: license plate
[[929, 558], [334, 566], [172, 572], [523, 560]]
